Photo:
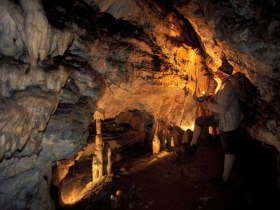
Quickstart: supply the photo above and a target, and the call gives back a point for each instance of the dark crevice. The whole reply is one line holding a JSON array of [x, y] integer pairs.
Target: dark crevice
[[64, 13], [248, 95], [188, 35]]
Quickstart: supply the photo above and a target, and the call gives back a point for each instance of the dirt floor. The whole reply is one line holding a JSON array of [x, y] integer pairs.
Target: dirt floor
[[169, 181]]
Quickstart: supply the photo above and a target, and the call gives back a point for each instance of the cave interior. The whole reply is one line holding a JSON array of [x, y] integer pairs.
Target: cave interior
[[99, 100]]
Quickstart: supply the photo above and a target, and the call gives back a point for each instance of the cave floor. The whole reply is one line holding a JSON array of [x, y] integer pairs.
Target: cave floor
[[167, 181]]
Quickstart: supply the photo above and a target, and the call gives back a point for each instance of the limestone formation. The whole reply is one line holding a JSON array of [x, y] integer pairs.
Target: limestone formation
[[156, 142], [60, 68], [101, 162]]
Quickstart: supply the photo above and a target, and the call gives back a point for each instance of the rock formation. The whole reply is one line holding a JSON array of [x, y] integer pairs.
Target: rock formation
[[64, 63]]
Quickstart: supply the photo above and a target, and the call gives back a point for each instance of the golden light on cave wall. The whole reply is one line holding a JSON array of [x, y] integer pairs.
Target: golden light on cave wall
[[190, 65], [195, 72], [172, 23], [187, 127], [186, 59]]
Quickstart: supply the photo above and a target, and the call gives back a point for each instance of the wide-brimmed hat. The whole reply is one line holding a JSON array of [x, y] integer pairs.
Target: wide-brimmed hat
[[226, 68]]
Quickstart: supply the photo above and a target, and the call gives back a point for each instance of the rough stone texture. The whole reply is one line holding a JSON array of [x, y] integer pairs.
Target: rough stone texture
[[39, 125], [33, 97], [223, 33], [28, 98], [247, 33], [25, 27], [151, 56]]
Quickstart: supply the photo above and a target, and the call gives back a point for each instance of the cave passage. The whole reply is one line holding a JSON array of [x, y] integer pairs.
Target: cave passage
[[98, 99], [169, 179]]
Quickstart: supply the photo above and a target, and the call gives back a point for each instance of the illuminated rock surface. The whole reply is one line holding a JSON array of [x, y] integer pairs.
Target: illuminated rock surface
[[65, 63]]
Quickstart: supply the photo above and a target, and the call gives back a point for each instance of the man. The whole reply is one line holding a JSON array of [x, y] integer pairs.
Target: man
[[226, 115]]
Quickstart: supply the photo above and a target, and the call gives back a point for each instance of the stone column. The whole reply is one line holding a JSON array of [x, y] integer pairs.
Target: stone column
[[101, 162], [174, 137], [97, 161], [107, 159], [156, 140], [164, 139], [165, 136]]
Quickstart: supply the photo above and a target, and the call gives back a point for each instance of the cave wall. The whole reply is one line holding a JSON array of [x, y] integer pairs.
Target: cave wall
[[65, 63], [42, 101], [247, 33]]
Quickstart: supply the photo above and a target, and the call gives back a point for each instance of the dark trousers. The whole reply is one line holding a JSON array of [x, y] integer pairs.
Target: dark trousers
[[229, 139]]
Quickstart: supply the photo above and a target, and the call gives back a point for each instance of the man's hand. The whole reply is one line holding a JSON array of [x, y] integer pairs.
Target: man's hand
[[204, 98]]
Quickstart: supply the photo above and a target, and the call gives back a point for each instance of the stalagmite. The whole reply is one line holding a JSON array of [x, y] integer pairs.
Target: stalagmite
[[97, 163], [101, 162], [156, 140], [61, 62], [107, 159], [174, 138], [164, 139]]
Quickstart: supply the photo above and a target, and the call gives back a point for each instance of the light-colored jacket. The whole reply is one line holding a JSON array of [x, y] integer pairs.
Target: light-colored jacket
[[226, 106]]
